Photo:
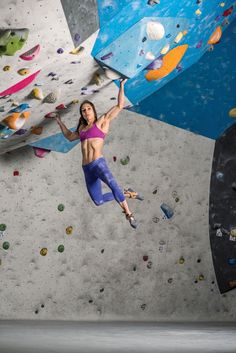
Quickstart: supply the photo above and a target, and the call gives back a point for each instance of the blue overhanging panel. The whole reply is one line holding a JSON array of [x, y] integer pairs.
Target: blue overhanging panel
[[200, 99]]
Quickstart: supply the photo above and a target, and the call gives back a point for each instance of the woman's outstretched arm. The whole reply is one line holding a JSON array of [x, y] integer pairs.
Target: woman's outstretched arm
[[114, 111], [71, 136]]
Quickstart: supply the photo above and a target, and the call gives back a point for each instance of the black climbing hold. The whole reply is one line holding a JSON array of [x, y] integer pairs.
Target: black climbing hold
[[101, 290], [143, 306], [198, 260], [90, 301], [102, 251]]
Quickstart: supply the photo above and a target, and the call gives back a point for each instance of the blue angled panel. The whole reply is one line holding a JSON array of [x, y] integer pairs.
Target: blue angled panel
[[57, 143]]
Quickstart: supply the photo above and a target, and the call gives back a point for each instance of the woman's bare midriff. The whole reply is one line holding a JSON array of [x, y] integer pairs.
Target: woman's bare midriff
[[91, 149]]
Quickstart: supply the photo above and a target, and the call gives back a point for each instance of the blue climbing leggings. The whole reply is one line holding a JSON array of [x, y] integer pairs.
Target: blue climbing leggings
[[95, 172]]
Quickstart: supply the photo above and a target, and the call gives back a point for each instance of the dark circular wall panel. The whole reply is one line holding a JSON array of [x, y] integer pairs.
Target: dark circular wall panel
[[222, 210]]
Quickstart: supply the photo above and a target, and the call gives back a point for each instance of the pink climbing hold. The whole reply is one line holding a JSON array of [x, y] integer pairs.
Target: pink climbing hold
[[51, 115], [31, 54], [61, 106], [20, 85], [40, 152]]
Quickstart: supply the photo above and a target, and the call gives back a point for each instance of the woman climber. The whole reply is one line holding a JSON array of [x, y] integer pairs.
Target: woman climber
[[91, 131]]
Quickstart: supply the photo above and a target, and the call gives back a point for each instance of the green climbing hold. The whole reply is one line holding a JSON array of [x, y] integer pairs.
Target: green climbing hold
[[61, 248], [125, 160], [6, 245], [3, 227], [12, 40], [61, 207]]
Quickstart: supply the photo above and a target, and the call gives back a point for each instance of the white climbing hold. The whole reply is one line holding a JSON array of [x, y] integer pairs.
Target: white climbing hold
[[112, 75], [155, 30]]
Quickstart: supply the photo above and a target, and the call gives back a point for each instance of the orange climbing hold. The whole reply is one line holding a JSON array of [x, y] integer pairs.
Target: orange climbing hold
[[215, 37], [170, 61], [15, 121]]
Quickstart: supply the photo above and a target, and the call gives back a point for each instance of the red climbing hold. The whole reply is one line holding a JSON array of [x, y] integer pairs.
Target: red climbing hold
[[16, 173], [228, 11]]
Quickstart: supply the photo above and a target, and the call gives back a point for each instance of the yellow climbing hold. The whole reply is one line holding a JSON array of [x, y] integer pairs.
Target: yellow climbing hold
[[232, 113], [37, 93], [179, 37], [201, 277], [75, 101], [222, 4], [77, 50], [23, 72], [181, 260], [7, 68], [233, 233], [43, 251], [69, 230], [198, 12]]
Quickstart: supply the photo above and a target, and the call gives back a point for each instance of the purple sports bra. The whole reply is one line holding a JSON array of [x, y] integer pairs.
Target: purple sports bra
[[93, 132]]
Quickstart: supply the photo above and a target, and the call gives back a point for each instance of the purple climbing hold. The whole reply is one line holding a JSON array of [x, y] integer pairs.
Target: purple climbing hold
[[60, 51], [107, 56], [156, 64], [21, 132], [77, 37], [199, 44]]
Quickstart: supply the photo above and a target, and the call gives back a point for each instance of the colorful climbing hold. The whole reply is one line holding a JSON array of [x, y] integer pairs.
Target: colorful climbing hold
[[228, 11], [60, 207], [233, 232], [52, 97], [7, 68], [61, 248], [232, 113], [31, 54], [168, 212], [69, 230], [114, 158], [125, 160], [12, 40], [36, 130], [145, 257], [16, 173], [37, 93], [61, 106], [3, 227], [170, 61], [6, 245], [23, 72], [43, 251], [107, 56], [60, 51], [20, 85], [181, 260], [77, 50], [232, 262], [40, 152], [215, 37], [155, 30], [201, 277], [77, 37], [156, 64]]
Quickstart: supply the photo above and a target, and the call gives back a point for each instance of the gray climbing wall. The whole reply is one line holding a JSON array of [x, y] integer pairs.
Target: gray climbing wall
[[82, 18], [161, 271]]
